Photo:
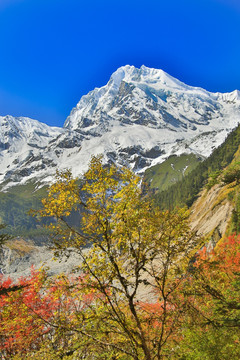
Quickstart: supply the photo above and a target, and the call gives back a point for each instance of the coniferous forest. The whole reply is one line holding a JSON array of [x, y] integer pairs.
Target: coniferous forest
[[186, 190]]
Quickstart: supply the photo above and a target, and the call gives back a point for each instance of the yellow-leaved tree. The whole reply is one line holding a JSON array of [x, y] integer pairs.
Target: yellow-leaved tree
[[133, 259]]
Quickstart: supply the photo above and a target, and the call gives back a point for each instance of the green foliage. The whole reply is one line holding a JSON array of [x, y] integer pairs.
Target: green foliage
[[3, 236], [231, 174], [14, 210], [235, 219], [213, 289], [210, 343], [213, 179], [186, 191]]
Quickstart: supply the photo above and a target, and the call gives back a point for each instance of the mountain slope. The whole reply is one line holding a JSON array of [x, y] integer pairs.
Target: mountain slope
[[139, 118], [31, 150], [216, 212], [142, 116], [186, 191], [162, 176]]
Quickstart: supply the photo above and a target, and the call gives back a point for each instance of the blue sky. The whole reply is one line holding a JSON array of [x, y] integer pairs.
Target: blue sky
[[54, 51]]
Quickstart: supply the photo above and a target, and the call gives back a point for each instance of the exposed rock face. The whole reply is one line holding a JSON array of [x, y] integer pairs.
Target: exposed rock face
[[211, 212], [18, 256]]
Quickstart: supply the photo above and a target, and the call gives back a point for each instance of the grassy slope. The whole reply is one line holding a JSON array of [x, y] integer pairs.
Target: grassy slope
[[162, 176]]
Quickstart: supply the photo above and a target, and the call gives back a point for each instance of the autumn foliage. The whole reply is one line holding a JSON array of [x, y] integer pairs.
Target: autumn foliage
[[22, 328], [141, 291], [66, 317], [212, 327]]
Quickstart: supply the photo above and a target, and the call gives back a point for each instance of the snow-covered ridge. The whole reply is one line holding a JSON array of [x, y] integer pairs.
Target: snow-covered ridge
[[25, 128], [139, 118], [148, 90]]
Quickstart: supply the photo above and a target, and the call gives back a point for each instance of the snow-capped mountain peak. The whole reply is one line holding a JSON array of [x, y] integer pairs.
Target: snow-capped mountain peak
[[146, 75], [231, 97], [19, 131], [139, 118]]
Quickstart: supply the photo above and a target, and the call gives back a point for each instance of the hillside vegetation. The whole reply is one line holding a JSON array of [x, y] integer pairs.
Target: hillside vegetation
[[15, 206], [142, 291], [186, 191], [172, 170]]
